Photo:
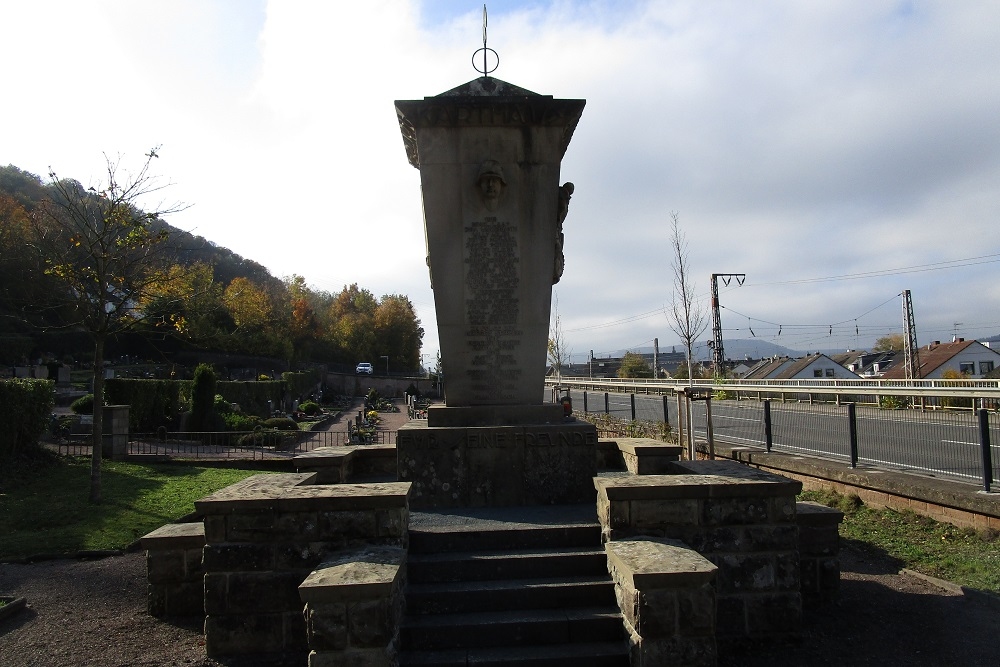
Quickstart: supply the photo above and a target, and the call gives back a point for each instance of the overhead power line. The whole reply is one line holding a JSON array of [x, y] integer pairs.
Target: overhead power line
[[919, 268]]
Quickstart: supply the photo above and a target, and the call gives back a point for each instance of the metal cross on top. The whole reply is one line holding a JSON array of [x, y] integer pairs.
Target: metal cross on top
[[485, 71]]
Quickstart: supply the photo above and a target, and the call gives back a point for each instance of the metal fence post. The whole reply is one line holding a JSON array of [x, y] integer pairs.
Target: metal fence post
[[632, 399], [607, 410], [984, 441], [708, 427], [852, 428], [666, 414], [584, 402], [681, 421], [768, 439]]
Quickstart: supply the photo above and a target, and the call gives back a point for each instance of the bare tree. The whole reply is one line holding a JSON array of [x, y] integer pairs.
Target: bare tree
[[104, 251], [557, 352], [686, 317]]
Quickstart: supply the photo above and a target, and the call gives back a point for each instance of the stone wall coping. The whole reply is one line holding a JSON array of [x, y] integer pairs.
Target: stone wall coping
[[656, 487], [650, 563], [305, 498], [334, 456], [175, 536], [495, 415], [647, 447], [809, 513], [365, 574], [959, 495]]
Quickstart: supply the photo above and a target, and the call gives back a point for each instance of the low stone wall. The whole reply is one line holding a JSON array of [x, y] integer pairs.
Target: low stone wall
[[353, 607], [739, 518], [338, 465], [266, 534], [819, 550], [173, 570], [666, 593], [646, 456], [957, 503]]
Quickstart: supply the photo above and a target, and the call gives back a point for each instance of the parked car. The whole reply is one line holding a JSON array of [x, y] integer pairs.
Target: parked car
[[364, 367]]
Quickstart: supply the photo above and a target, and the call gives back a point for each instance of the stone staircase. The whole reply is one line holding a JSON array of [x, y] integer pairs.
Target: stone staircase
[[511, 586]]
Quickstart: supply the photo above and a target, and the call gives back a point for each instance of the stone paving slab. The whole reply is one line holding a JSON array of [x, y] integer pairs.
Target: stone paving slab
[[307, 497], [503, 518]]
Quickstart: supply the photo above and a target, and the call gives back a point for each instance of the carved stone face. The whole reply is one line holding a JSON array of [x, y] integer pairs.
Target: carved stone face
[[491, 186], [491, 183]]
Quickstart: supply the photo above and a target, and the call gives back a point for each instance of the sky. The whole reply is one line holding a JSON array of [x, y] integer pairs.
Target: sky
[[836, 152]]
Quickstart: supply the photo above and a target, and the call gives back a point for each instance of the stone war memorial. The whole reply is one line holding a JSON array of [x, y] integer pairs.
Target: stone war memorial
[[489, 157], [500, 530]]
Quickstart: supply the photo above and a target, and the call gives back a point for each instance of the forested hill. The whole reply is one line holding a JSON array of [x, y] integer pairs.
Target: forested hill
[[29, 191], [197, 296]]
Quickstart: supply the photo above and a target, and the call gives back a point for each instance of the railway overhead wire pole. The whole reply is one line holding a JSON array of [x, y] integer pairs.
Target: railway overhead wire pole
[[718, 353]]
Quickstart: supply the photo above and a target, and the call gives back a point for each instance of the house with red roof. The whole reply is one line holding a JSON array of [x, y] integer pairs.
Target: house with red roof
[[968, 357]]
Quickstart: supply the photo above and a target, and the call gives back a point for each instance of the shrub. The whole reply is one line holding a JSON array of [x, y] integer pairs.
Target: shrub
[[83, 405], [237, 422], [25, 411], [893, 402], [152, 403], [310, 408], [280, 424], [222, 406], [261, 439], [203, 398]]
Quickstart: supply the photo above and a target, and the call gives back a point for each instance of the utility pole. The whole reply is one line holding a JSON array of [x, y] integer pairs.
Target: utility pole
[[718, 353], [911, 357], [656, 358]]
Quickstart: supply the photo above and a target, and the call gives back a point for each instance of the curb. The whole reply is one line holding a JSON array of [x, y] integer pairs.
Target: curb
[[13, 606], [984, 598]]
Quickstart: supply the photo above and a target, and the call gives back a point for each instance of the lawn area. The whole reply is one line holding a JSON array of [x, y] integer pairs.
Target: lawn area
[[44, 508], [959, 555]]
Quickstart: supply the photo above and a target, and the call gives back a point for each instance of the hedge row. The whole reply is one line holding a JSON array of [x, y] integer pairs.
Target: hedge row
[[156, 403], [25, 410]]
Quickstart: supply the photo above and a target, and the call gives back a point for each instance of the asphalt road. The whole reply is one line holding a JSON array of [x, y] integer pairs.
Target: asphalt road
[[944, 443]]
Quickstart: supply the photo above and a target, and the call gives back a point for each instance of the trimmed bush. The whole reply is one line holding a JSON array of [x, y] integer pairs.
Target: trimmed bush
[[237, 422], [83, 405], [152, 403], [310, 408], [203, 398], [261, 439], [25, 411]]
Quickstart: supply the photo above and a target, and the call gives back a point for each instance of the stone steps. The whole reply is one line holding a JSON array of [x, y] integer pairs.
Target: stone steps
[[518, 586], [485, 565]]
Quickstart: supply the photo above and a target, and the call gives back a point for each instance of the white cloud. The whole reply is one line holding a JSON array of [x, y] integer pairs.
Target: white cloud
[[797, 140]]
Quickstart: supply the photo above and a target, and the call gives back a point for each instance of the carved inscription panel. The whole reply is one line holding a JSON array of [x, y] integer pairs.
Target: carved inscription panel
[[492, 302]]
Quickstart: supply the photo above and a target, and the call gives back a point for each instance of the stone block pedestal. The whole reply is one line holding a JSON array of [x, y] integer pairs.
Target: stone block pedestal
[[498, 466]]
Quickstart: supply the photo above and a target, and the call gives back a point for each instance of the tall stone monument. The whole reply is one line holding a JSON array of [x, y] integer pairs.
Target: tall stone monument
[[489, 156]]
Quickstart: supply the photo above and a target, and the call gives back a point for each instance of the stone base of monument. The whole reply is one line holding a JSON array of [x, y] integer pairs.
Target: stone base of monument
[[497, 457]]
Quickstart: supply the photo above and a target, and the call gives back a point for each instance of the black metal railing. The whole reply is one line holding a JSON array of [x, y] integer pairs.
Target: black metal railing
[[960, 444], [251, 445]]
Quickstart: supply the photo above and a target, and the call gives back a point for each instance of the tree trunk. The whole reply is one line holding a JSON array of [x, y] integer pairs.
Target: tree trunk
[[98, 432]]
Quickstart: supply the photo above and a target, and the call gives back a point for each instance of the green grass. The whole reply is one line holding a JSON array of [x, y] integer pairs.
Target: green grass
[[959, 555], [44, 507]]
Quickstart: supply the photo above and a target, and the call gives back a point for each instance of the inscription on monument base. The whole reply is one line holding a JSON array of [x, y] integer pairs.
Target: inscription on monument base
[[499, 465]]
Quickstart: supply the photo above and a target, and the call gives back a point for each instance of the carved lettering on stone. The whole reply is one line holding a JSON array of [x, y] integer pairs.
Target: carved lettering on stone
[[492, 306]]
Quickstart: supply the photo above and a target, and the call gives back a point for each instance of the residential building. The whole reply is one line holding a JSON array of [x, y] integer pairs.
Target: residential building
[[813, 366], [968, 357]]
